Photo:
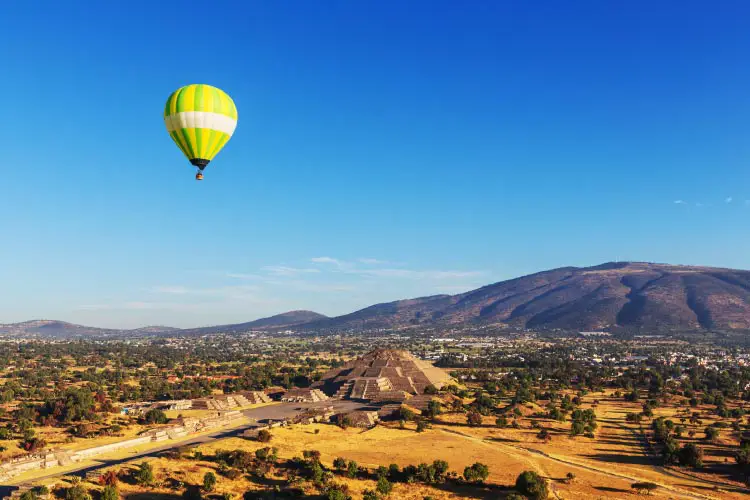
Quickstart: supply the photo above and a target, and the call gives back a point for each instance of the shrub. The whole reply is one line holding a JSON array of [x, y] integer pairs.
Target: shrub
[[109, 478], [647, 487], [110, 493], [532, 485], [370, 495], [384, 486], [77, 492], [144, 476], [264, 436]]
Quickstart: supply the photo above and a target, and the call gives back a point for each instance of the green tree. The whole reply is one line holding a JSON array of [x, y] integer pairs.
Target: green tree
[[532, 485], [110, 493], [712, 433], [144, 475], [352, 469], [370, 495], [154, 416], [384, 486], [339, 463], [476, 473], [209, 481], [691, 455], [434, 409]]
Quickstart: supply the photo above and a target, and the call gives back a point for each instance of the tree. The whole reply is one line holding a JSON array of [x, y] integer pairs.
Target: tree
[[476, 473], [384, 486], [570, 477], [338, 492], [110, 493], [430, 389], [154, 416], [393, 471], [311, 456], [370, 495], [145, 474], [352, 469], [671, 450], [474, 418], [632, 396], [712, 433], [691, 455], [742, 456], [339, 463], [421, 425], [532, 485], [434, 409], [634, 418], [209, 481], [577, 428], [264, 436], [501, 421], [544, 435]]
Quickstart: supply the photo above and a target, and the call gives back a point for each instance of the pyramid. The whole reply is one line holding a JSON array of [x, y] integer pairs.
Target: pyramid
[[383, 375]]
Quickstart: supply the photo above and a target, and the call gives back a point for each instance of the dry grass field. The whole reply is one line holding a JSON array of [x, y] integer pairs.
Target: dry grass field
[[604, 466]]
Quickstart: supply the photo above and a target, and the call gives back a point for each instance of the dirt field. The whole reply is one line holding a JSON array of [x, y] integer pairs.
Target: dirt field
[[604, 466]]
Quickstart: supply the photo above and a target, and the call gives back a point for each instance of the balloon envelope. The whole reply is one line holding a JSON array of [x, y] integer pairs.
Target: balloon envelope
[[200, 119]]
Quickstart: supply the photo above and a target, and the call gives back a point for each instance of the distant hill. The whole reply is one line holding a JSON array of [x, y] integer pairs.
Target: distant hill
[[614, 296], [621, 295], [62, 329], [287, 319]]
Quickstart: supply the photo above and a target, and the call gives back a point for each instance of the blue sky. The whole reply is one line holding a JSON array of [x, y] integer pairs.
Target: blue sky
[[383, 150]]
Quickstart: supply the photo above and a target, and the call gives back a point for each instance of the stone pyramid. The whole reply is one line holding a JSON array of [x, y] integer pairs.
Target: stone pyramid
[[383, 375]]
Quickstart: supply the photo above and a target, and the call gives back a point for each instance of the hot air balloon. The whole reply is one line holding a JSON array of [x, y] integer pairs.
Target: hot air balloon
[[200, 119]]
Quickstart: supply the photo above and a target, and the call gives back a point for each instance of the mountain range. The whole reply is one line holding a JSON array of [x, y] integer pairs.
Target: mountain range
[[613, 296]]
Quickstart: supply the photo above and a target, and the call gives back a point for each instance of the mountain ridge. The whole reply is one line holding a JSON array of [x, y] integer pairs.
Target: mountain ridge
[[610, 296]]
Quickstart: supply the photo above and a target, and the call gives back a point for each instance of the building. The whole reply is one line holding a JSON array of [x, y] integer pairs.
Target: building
[[309, 395]]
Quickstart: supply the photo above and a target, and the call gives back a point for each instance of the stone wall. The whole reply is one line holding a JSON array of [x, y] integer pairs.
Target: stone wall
[[98, 450]]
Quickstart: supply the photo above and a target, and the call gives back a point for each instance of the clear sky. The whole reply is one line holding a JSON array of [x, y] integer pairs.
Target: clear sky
[[384, 150]]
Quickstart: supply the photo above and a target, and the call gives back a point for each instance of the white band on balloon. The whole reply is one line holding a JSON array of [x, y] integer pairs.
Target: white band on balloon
[[200, 119]]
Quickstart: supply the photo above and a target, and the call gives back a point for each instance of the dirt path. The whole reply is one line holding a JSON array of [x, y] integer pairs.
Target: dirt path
[[524, 452]]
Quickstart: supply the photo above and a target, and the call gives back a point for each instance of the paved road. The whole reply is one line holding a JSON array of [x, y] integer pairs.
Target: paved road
[[258, 417], [288, 410]]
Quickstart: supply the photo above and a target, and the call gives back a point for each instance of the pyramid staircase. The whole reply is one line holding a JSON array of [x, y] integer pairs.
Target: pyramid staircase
[[345, 390]]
